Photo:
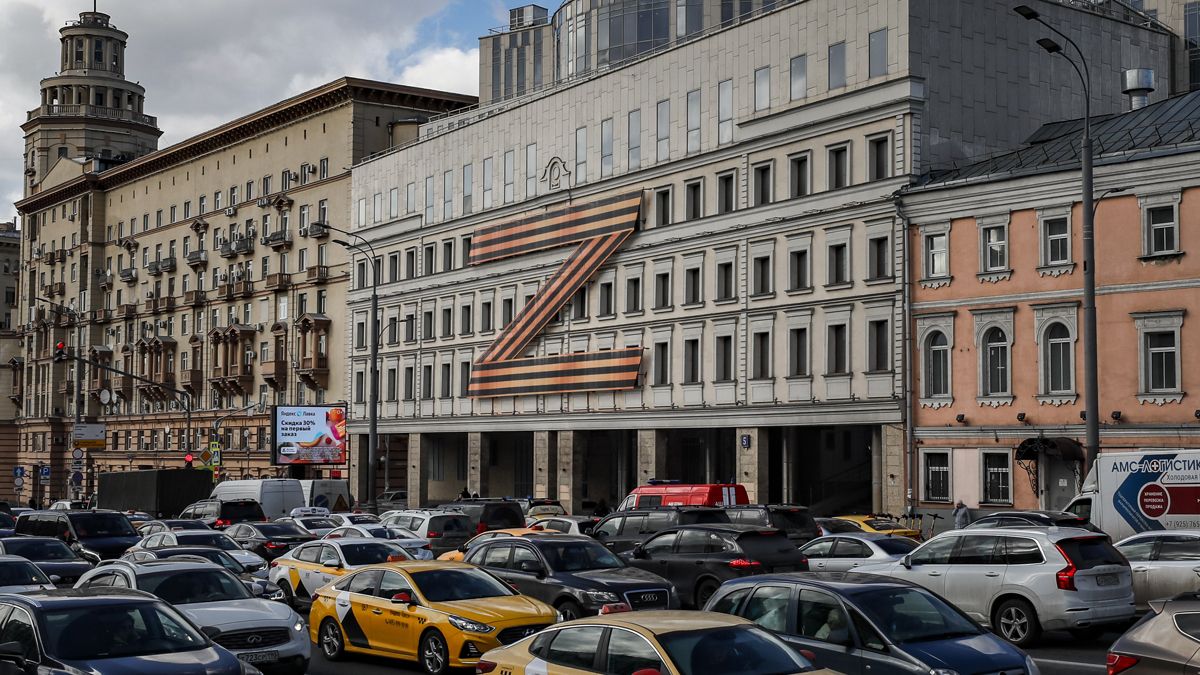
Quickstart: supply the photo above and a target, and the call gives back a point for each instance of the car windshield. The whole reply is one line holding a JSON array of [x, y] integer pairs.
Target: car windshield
[[459, 584], [213, 555], [835, 526], [281, 530], [218, 539], [883, 525], [7, 522], [791, 520], [577, 556], [185, 525], [731, 650], [360, 518], [191, 586], [547, 510], [450, 525], [913, 615], [39, 549], [1088, 552], [114, 631], [101, 525], [317, 523], [241, 511], [896, 545], [21, 573], [372, 553]]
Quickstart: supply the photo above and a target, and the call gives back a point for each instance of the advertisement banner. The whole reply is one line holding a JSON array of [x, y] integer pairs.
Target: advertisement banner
[[310, 434]]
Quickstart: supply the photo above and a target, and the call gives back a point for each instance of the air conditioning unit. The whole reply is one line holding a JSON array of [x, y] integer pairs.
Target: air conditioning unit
[[312, 168], [231, 211], [304, 232], [71, 217], [149, 295], [260, 327], [263, 201], [295, 176]]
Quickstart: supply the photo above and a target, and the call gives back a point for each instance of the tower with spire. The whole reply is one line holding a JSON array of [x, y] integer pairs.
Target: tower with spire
[[88, 110]]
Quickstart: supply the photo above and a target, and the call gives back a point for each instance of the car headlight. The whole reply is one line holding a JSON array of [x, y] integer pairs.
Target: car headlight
[[470, 626], [299, 625], [942, 671], [602, 596], [1031, 667]]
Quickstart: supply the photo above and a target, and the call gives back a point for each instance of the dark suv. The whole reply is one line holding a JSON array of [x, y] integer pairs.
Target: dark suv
[[219, 514], [573, 573], [106, 533], [623, 530], [794, 520], [489, 514]]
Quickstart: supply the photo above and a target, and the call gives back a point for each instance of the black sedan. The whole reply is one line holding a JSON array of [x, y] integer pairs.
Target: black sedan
[[51, 555], [269, 540], [256, 581], [697, 559], [577, 575]]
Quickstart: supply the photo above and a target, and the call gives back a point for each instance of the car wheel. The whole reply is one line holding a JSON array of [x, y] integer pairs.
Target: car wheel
[[704, 591], [1016, 622], [289, 598], [333, 643], [570, 610], [435, 657]]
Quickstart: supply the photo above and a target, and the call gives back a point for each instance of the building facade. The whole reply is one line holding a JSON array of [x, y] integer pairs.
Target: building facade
[[207, 270], [996, 280], [748, 324]]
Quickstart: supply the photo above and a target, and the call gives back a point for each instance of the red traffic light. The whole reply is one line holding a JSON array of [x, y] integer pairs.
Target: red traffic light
[[187, 457], [60, 345]]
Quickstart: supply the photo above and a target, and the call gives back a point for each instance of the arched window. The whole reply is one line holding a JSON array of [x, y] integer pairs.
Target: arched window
[[1058, 358], [995, 366], [937, 365]]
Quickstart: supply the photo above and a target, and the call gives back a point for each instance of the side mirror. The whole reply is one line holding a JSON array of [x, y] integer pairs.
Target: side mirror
[[462, 548], [254, 588], [212, 632], [600, 534], [907, 561], [333, 565], [639, 553], [13, 651], [403, 598], [54, 578], [532, 567]]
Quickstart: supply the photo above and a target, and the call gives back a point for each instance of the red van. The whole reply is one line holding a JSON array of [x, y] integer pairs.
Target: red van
[[673, 493]]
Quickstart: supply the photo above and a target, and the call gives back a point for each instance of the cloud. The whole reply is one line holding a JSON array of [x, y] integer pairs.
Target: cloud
[[205, 63]]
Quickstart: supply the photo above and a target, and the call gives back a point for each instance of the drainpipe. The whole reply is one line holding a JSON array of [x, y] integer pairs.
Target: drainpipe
[[906, 358]]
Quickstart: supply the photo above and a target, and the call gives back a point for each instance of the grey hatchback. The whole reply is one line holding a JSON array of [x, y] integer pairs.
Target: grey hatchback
[[1163, 641]]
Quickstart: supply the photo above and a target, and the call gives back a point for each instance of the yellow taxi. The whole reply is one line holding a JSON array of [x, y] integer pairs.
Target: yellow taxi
[[304, 569], [881, 525], [671, 642], [441, 614], [458, 554]]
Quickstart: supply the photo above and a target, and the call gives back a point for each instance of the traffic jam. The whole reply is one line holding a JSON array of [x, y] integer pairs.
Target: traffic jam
[[683, 579]]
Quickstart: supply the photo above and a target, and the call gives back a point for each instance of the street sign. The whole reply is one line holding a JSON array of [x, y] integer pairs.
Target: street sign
[[77, 454], [18, 482], [216, 458], [76, 478], [88, 436], [44, 471], [18, 472]]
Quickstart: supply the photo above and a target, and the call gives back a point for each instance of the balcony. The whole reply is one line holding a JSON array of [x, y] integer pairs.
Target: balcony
[[314, 370], [122, 385], [192, 380], [317, 230], [92, 111], [196, 258], [167, 264], [225, 291], [275, 373], [58, 288], [66, 387], [243, 246], [193, 297], [225, 250], [318, 274], [153, 268], [244, 288], [128, 275], [126, 311], [101, 315], [278, 240], [162, 305], [106, 280], [58, 256], [276, 282], [65, 319]]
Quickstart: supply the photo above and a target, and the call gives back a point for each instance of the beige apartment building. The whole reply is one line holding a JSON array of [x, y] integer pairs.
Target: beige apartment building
[[206, 267]]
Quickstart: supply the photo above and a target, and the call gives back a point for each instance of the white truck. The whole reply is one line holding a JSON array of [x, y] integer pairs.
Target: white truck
[[1131, 492]]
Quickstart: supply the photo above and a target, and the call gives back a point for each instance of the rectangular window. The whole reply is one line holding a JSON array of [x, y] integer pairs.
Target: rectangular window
[[936, 476], [937, 255], [762, 89], [487, 182], [995, 248], [879, 258], [798, 352], [662, 207], [446, 383], [837, 65], [879, 157], [485, 316], [606, 298], [428, 259], [839, 264], [427, 382], [1161, 359], [662, 132], [693, 200], [509, 175], [410, 198], [391, 385], [662, 290], [427, 325], [724, 358], [447, 195], [762, 355], [662, 363], [877, 48], [1056, 235], [725, 112], [762, 273], [606, 148], [579, 305], [726, 288], [839, 167], [580, 156], [725, 192], [798, 270], [393, 202], [693, 121], [693, 286], [447, 255], [409, 389], [836, 351], [799, 77], [447, 322], [468, 189], [762, 184], [799, 178], [464, 378], [506, 312], [428, 199], [633, 294], [1161, 230], [635, 140], [879, 346], [997, 477], [691, 361], [531, 171]]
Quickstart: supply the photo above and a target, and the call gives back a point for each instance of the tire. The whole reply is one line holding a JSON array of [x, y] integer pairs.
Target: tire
[[433, 654], [289, 598], [331, 640], [704, 591], [1017, 622], [570, 610]]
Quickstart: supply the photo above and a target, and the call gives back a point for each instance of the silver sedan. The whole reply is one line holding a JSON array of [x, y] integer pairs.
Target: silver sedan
[[844, 552], [1164, 563]]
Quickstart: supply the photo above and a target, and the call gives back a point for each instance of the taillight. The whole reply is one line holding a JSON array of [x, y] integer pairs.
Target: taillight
[[484, 667], [744, 564], [1065, 578], [1119, 663], [433, 535], [222, 522], [271, 544], [274, 563]]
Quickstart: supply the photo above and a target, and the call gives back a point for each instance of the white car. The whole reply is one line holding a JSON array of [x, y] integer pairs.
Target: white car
[[1165, 563], [354, 518], [304, 569], [18, 575], [249, 559], [1023, 581], [417, 547], [262, 632], [315, 525]]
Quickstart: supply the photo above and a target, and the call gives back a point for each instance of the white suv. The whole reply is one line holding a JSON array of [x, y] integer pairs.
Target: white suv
[[1023, 581], [445, 530]]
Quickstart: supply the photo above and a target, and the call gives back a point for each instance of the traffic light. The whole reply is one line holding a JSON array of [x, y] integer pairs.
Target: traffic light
[[60, 351], [187, 461]]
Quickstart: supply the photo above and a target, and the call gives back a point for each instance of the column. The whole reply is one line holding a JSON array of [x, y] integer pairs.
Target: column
[[651, 455], [545, 454], [893, 465], [478, 458], [571, 448], [788, 453], [877, 470], [752, 462], [418, 487]]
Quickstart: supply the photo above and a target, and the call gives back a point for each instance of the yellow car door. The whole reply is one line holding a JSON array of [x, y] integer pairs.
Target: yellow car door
[[319, 573], [402, 621]]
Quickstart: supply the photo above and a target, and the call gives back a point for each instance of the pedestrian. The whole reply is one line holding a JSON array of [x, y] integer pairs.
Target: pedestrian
[[33, 503], [962, 515], [465, 494]]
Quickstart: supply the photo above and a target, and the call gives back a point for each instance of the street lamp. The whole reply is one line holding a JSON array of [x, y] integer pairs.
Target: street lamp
[[1091, 386], [373, 399]]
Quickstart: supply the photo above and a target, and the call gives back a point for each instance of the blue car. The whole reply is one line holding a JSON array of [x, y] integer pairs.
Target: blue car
[[107, 631], [852, 622]]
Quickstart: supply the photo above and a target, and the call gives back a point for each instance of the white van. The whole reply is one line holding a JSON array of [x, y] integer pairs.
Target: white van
[[332, 494], [278, 496]]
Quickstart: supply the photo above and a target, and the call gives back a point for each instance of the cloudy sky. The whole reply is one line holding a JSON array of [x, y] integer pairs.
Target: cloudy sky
[[204, 62]]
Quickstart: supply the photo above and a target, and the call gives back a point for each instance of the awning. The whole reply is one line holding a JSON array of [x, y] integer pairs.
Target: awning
[[1067, 449]]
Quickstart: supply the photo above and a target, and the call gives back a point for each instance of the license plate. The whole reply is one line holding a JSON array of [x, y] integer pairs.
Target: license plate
[[259, 657], [1107, 580]]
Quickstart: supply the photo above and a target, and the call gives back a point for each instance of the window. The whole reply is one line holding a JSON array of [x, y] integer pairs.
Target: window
[[663, 131], [464, 319], [531, 171], [662, 363], [447, 195], [464, 378], [762, 88], [580, 155], [837, 65], [879, 346], [662, 207], [798, 76], [693, 121], [1160, 361], [693, 286], [798, 270], [839, 264], [446, 383], [762, 184], [693, 200], [937, 365], [427, 382], [879, 157], [995, 248], [936, 475], [605, 294], [725, 193], [635, 140], [627, 651], [691, 361], [725, 112], [574, 647], [879, 258], [662, 291], [995, 364], [997, 477], [1162, 233], [937, 255], [1056, 241], [506, 312], [761, 365], [428, 199], [836, 351], [1059, 360], [509, 175], [798, 352], [633, 294], [839, 167], [799, 181], [447, 255], [726, 289], [724, 360], [606, 148], [762, 272], [877, 51], [409, 389], [485, 316]]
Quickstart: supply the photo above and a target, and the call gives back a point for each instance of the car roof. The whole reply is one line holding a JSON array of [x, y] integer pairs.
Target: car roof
[[517, 531], [642, 510], [412, 566], [1052, 533], [77, 597], [184, 549], [729, 528], [777, 507], [865, 536], [1144, 535], [660, 622], [1033, 512], [167, 565], [838, 582]]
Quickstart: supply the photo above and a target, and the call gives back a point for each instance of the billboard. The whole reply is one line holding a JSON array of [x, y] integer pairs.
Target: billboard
[[309, 434]]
